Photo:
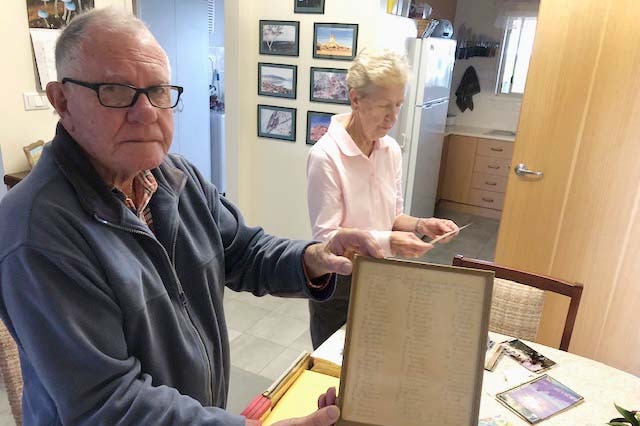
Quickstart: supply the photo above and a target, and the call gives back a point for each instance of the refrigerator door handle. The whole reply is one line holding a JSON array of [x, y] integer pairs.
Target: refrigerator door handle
[[432, 103]]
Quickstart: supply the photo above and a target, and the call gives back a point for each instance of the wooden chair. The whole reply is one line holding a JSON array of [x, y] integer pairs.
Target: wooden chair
[[11, 373], [518, 299]]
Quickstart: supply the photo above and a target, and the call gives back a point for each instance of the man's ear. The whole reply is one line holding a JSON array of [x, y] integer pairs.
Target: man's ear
[[56, 97]]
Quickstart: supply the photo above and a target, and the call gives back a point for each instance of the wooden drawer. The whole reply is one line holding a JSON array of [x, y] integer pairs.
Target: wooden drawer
[[492, 165], [493, 148], [489, 199], [489, 182]]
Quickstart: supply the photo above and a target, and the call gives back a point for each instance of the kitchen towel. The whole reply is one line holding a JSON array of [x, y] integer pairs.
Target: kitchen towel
[[469, 86]]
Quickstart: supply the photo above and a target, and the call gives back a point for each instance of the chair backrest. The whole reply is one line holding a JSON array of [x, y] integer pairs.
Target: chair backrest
[[11, 373], [541, 282]]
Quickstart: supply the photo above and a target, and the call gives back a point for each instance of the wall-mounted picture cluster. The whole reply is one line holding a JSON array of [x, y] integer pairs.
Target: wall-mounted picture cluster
[[332, 41]]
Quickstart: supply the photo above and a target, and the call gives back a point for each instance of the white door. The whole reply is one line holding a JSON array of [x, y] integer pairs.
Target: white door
[[181, 28]]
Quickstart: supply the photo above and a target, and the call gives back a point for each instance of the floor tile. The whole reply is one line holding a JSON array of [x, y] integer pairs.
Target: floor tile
[[243, 388], [253, 353], [241, 316], [233, 333], [296, 308], [280, 364], [303, 342], [278, 328], [268, 302]]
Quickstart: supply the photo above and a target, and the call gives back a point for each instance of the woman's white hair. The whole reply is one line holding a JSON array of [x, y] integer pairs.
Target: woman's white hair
[[78, 31], [373, 69]]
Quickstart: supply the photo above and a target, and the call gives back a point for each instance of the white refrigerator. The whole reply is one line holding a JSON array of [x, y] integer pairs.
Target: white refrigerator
[[421, 124]]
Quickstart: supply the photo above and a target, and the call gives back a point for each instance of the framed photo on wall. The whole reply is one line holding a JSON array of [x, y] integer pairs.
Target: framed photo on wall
[[277, 80], [317, 125], [33, 152], [308, 6], [335, 41], [277, 122], [279, 38], [329, 85]]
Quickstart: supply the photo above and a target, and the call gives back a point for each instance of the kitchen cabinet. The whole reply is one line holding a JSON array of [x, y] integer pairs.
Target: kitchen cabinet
[[474, 175]]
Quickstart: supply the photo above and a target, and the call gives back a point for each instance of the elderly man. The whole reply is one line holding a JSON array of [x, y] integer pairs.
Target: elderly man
[[114, 255]]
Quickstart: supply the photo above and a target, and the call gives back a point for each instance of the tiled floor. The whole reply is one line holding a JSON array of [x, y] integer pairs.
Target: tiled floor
[[268, 333]]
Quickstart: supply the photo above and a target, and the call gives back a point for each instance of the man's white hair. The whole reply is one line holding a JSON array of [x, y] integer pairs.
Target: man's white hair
[[110, 19]]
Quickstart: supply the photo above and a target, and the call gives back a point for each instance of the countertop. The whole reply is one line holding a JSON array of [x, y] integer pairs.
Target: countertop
[[477, 132]]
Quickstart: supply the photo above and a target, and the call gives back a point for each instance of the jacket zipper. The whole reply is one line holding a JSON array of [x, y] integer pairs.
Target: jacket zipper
[[181, 296]]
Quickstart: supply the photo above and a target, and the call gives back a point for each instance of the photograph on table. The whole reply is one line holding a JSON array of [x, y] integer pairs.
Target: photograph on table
[[335, 41], [277, 80], [277, 122], [526, 356], [279, 38], [317, 125], [53, 14], [308, 6], [329, 85], [539, 399]]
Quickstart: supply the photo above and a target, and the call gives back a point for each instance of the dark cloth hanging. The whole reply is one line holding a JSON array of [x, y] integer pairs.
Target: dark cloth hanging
[[469, 86]]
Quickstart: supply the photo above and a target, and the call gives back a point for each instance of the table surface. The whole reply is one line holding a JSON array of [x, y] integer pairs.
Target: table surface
[[599, 384], [12, 179]]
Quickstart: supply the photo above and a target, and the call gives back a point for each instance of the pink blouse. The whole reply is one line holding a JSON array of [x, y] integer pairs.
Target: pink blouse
[[345, 189]]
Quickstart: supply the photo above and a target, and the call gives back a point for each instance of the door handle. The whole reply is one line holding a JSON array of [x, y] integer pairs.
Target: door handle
[[521, 170]]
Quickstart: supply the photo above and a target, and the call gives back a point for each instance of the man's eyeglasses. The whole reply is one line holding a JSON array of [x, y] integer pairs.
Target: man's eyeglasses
[[115, 95]]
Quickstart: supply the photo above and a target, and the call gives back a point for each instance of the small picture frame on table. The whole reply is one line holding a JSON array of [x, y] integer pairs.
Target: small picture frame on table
[[33, 152], [308, 6], [329, 85], [279, 38], [335, 41], [277, 122], [317, 125], [278, 80]]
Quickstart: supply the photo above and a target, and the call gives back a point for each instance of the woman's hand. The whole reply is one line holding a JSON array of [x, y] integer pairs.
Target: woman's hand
[[406, 244], [434, 227]]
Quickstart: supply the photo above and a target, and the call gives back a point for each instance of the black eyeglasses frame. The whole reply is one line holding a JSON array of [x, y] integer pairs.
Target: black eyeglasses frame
[[96, 88]]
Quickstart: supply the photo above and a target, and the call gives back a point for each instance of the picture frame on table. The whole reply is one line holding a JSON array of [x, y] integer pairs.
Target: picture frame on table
[[277, 122], [277, 80], [317, 125], [308, 6], [280, 38], [329, 85], [335, 41], [33, 152]]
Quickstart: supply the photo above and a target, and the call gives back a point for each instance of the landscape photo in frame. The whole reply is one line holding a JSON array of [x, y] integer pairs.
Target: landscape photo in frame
[[317, 125], [277, 80], [335, 41], [279, 38], [329, 85]]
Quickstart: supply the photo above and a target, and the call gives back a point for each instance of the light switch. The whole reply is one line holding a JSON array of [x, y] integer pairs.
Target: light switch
[[35, 101]]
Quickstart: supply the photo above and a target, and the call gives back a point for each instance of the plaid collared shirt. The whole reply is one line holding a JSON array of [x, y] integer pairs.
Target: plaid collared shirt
[[144, 186]]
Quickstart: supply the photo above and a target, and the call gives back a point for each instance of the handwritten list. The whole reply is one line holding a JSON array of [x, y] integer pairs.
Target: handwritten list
[[416, 346]]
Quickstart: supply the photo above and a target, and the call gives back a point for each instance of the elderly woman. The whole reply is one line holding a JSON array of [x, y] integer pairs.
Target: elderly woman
[[354, 175]]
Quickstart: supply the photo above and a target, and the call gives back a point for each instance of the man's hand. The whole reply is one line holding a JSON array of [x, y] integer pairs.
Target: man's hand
[[333, 256], [406, 244], [433, 227], [326, 416]]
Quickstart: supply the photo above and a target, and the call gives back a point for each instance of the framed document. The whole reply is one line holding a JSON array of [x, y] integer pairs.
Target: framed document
[[415, 344]]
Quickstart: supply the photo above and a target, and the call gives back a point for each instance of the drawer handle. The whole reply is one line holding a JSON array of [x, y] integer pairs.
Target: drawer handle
[[493, 167], [491, 183], [488, 200], [497, 149]]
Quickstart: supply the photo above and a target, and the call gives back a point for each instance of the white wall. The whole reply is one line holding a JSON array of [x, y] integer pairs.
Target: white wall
[[18, 72], [266, 177], [490, 110]]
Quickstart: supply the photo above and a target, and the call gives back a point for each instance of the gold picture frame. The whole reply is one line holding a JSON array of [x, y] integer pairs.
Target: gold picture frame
[[33, 152]]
